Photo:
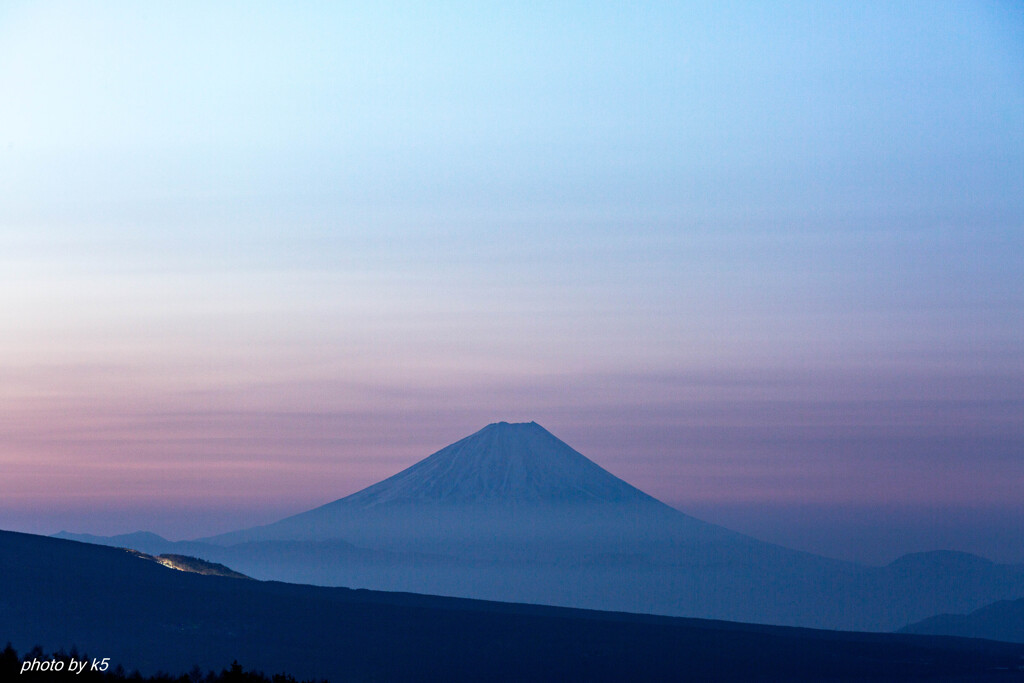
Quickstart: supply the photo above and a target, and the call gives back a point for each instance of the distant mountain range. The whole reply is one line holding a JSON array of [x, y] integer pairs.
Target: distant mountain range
[[512, 513], [1003, 620], [141, 615]]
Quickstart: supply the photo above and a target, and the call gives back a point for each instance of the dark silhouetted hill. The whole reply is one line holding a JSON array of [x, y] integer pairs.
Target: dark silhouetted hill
[[111, 603]]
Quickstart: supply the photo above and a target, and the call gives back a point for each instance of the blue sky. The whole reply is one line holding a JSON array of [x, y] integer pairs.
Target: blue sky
[[742, 255]]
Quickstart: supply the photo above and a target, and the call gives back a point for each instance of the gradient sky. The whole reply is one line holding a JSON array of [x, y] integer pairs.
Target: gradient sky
[[765, 262]]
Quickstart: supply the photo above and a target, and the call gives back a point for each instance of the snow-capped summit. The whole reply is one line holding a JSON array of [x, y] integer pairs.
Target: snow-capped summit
[[502, 463]]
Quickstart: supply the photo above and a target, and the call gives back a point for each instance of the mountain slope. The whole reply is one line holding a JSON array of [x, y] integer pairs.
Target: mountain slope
[[112, 604], [143, 541]]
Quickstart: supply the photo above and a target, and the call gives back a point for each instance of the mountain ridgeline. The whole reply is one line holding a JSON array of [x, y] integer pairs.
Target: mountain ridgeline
[[512, 513]]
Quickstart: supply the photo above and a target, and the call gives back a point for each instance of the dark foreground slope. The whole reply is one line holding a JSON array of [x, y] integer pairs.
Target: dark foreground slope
[[110, 603]]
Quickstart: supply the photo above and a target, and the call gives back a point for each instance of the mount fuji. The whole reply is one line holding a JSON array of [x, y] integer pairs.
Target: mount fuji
[[512, 513], [506, 484]]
